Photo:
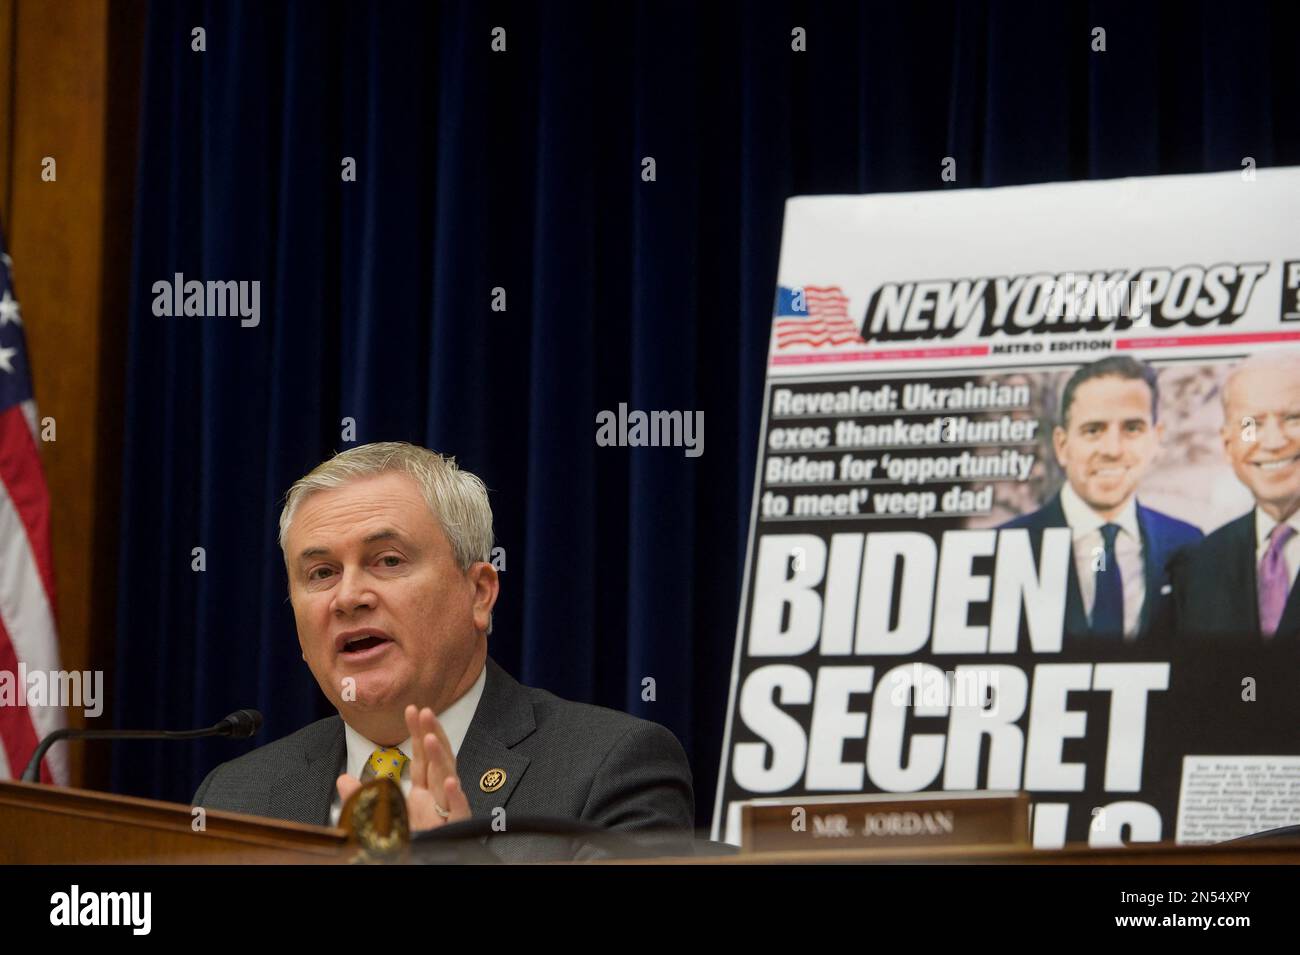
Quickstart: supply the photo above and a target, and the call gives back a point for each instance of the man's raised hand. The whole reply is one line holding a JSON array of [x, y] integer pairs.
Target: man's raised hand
[[436, 797], [435, 785]]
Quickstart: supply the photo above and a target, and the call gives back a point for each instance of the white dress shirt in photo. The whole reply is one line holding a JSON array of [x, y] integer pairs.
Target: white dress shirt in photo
[[1085, 530]]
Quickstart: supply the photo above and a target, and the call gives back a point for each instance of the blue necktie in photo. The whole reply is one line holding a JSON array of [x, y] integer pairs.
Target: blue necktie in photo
[[1108, 601]]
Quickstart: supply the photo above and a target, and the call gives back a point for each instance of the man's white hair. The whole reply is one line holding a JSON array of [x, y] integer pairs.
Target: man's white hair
[[1287, 361], [457, 498]]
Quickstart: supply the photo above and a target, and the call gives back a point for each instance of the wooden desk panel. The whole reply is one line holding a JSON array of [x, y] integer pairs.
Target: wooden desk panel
[[57, 826]]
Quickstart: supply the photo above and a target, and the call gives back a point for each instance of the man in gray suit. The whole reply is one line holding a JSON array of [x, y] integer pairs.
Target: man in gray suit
[[387, 550]]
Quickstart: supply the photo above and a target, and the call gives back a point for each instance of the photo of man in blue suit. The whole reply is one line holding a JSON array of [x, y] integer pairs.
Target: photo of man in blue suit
[[1105, 441]]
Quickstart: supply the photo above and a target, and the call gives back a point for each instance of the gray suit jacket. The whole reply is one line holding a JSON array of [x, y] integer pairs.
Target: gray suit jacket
[[564, 759]]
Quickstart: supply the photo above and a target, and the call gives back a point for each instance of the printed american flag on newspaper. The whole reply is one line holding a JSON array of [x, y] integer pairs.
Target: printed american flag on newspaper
[[816, 315]]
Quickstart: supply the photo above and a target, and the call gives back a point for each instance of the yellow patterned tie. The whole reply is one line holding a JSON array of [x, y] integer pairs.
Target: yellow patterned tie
[[388, 761]]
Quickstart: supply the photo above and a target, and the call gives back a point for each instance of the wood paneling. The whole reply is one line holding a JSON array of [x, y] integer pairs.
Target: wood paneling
[[72, 91]]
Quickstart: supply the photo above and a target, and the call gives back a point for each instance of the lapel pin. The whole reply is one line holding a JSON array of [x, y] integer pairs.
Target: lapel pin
[[492, 780]]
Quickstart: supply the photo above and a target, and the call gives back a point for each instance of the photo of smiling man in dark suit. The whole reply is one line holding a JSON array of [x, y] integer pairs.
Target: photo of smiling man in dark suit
[[1106, 439], [1240, 583]]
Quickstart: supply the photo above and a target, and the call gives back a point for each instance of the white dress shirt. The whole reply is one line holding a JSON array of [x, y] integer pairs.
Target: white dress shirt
[[1085, 530], [455, 721], [1291, 550]]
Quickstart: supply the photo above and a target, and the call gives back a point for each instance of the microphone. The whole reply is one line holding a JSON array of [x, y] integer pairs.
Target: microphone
[[240, 724]]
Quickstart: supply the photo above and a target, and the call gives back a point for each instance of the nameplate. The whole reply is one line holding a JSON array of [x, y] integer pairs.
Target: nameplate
[[892, 822]]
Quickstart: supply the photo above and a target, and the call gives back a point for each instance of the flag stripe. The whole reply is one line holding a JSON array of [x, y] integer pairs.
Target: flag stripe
[[20, 472], [29, 644], [27, 635], [17, 725], [794, 329]]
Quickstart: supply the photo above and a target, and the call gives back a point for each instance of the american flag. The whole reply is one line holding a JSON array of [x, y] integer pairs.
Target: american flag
[[814, 315], [27, 631]]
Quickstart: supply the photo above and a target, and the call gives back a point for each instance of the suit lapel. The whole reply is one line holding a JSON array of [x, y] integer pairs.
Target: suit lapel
[[1239, 577], [1076, 618], [1289, 626], [1153, 564], [503, 718], [304, 792]]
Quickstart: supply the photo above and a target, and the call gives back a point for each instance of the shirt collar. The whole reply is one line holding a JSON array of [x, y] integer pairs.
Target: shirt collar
[[1264, 525], [1083, 520], [455, 721]]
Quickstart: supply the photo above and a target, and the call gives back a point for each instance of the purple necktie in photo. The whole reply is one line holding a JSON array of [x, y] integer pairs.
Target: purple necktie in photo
[[1274, 580]]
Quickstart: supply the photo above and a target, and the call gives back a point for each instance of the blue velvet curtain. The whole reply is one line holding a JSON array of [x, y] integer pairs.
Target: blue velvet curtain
[[522, 170]]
